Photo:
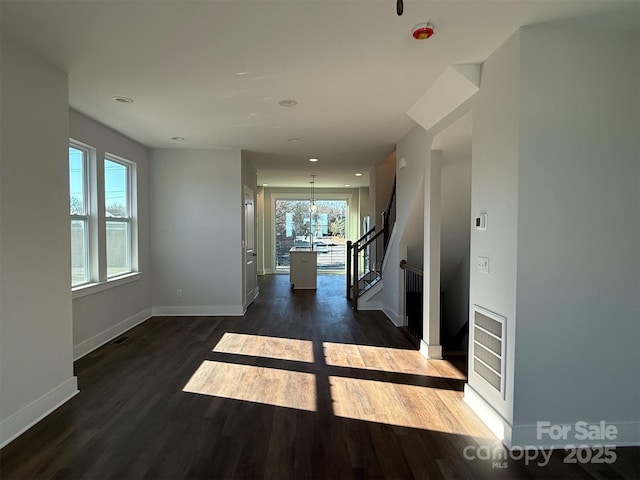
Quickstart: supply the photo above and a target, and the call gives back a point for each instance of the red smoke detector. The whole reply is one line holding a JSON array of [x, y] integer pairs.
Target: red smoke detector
[[422, 31]]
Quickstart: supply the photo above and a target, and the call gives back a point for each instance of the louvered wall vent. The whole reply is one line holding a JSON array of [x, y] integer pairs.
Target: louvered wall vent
[[489, 347]]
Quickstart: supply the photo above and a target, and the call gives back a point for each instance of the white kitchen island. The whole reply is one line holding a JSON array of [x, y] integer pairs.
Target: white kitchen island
[[304, 268]]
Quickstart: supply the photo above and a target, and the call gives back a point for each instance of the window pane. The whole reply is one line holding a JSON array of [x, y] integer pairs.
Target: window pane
[[329, 231], [118, 248], [298, 226], [76, 181], [116, 187], [79, 270]]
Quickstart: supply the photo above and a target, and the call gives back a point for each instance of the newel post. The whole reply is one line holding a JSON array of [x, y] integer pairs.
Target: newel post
[[349, 247]]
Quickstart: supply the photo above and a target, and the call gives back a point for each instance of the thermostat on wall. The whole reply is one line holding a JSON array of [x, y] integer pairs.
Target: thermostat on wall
[[481, 221]]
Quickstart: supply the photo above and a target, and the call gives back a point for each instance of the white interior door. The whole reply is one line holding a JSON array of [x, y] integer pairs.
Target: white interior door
[[250, 256]]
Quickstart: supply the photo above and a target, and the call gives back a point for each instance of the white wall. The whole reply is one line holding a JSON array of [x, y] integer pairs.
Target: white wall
[[419, 200], [36, 353], [381, 188], [494, 190], [103, 315], [455, 214], [578, 230], [196, 232], [410, 188], [455, 307], [364, 202], [556, 168], [455, 217]]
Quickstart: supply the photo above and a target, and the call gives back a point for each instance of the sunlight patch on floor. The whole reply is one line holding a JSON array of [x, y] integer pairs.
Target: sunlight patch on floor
[[269, 386], [268, 347], [395, 404], [375, 358]]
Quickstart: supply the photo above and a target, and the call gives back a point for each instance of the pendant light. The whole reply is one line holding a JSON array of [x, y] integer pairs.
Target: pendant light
[[313, 207]]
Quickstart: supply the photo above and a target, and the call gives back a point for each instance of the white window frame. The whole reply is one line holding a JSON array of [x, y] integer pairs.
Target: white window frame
[[98, 279], [84, 218], [128, 220]]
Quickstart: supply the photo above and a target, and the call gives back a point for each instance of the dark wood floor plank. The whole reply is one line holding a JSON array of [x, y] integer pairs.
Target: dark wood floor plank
[[301, 387]]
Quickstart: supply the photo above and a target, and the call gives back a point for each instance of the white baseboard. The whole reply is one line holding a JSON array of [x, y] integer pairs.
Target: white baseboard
[[526, 436], [25, 418], [393, 316], [370, 305], [626, 435], [89, 345], [199, 311], [491, 418]]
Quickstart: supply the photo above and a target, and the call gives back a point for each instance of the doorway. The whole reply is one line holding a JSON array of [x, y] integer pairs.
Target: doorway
[[324, 229]]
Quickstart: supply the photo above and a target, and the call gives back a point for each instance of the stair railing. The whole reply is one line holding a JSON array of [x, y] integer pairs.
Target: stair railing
[[365, 266], [365, 255], [389, 216], [353, 273], [413, 288]]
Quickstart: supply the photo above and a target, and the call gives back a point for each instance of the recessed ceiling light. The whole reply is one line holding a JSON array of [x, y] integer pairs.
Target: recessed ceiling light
[[253, 114], [287, 103], [120, 99], [313, 160], [358, 174], [241, 74], [265, 184], [178, 139], [347, 185], [293, 140]]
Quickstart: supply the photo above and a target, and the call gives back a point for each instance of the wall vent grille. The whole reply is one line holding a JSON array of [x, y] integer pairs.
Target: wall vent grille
[[489, 347]]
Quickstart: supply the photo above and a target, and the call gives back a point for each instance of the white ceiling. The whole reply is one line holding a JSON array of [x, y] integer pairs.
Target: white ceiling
[[214, 71]]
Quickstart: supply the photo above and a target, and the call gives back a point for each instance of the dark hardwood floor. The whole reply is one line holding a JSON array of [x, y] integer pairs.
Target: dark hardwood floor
[[301, 387]]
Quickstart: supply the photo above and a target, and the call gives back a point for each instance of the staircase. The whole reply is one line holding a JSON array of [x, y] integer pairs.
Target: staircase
[[365, 256]]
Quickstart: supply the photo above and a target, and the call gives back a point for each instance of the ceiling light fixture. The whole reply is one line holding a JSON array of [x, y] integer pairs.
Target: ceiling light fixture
[[358, 174], [177, 139], [347, 185], [287, 103], [121, 99], [293, 140], [313, 160]]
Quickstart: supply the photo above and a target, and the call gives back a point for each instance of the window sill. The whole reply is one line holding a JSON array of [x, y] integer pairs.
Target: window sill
[[91, 288]]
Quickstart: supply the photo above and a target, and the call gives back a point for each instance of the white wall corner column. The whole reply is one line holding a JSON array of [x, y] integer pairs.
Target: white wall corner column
[[431, 293], [36, 331]]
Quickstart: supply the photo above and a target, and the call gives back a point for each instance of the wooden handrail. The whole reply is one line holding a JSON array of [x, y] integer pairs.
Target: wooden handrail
[[370, 241], [371, 230], [405, 266]]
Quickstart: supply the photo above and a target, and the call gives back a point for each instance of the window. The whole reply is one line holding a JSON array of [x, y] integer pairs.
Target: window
[[323, 229], [79, 210], [102, 205], [117, 202]]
